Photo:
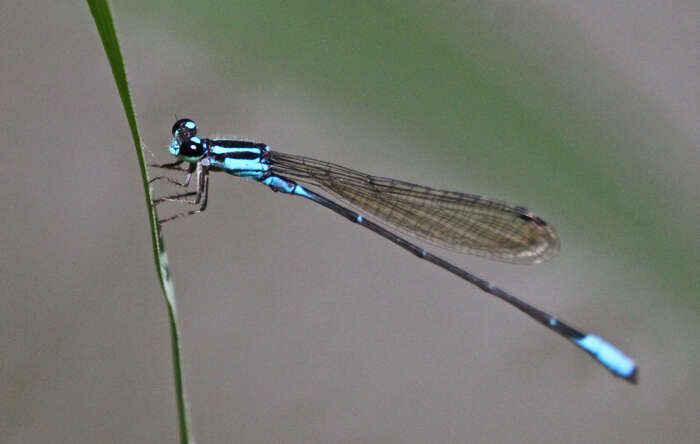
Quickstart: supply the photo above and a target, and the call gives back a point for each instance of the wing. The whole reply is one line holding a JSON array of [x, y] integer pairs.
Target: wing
[[462, 222]]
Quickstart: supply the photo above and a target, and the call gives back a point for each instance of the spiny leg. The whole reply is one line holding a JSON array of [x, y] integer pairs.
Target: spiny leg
[[172, 166], [202, 196], [168, 166], [182, 197]]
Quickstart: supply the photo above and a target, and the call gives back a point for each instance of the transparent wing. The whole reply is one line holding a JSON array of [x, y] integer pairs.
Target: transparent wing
[[457, 221]]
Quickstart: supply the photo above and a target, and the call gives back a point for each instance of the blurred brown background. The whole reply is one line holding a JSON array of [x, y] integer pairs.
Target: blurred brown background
[[298, 326]]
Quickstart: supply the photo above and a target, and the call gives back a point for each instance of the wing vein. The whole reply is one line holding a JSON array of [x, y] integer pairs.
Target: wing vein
[[462, 222]]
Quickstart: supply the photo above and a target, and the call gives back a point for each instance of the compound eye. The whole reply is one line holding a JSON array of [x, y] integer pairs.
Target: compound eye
[[185, 128], [192, 147]]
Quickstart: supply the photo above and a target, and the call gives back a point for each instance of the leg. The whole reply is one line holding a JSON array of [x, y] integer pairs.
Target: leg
[[202, 194], [179, 198], [171, 166], [168, 166], [182, 197]]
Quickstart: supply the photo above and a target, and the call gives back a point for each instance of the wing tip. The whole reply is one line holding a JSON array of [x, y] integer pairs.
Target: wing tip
[[546, 244]]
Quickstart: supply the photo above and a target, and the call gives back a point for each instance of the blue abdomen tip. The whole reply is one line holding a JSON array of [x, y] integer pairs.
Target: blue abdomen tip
[[609, 356]]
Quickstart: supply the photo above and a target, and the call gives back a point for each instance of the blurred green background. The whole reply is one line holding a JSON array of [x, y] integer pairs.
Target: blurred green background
[[298, 326]]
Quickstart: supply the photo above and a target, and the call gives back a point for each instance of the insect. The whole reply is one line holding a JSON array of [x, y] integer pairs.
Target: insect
[[463, 222]]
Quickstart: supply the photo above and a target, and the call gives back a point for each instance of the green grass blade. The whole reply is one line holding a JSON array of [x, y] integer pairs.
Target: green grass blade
[[105, 26]]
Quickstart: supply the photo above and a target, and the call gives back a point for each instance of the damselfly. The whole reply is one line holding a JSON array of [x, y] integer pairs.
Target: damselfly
[[462, 222]]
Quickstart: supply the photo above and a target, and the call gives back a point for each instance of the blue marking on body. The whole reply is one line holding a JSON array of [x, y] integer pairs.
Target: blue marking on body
[[283, 185], [190, 125], [359, 219], [608, 355], [218, 149], [553, 322], [301, 191], [175, 147], [253, 167]]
